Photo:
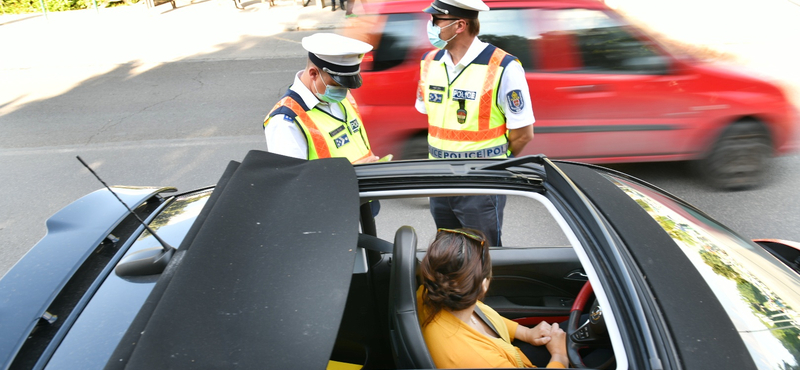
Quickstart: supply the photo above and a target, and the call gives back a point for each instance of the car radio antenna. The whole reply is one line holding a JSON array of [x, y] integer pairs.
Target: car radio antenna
[[151, 261]]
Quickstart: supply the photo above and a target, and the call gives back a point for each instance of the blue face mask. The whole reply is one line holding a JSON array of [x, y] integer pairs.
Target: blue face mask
[[433, 35], [333, 94]]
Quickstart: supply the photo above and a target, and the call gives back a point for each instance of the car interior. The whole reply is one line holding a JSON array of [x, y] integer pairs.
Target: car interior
[[537, 276]]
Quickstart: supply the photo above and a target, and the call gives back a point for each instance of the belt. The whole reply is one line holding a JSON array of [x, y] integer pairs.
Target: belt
[[480, 153]]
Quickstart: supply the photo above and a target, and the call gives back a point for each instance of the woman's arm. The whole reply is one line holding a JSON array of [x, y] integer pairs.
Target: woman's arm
[[539, 335], [548, 335]]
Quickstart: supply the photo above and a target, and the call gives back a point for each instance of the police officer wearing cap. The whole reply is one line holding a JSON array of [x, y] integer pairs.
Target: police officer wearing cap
[[318, 118], [478, 106]]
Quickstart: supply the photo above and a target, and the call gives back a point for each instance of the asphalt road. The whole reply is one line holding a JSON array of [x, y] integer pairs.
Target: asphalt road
[[173, 124], [179, 123]]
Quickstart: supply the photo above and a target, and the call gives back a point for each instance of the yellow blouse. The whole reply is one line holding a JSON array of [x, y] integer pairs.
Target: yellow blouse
[[454, 344]]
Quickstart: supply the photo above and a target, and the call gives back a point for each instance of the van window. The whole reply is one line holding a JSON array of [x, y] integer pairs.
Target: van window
[[591, 41], [398, 40], [507, 29]]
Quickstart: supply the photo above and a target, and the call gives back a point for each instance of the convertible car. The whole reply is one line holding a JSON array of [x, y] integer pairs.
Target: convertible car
[[284, 264]]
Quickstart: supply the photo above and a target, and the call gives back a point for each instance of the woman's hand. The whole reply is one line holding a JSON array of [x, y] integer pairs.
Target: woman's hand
[[557, 346], [539, 335], [541, 331]]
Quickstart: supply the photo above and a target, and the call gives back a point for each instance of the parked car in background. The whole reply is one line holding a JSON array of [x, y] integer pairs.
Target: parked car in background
[[602, 90]]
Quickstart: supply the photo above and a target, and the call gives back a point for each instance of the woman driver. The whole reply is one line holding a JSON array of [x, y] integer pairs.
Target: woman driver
[[461, 331]]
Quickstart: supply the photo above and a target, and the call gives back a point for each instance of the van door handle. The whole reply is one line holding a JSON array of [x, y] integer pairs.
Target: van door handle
[[583, 88]]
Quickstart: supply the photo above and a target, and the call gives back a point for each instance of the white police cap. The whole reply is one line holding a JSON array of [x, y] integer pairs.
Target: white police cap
[[457, 8], [337, 55]]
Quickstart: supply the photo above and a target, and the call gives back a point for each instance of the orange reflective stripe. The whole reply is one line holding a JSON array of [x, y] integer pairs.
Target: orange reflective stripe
[[352, 101], [485, 108], [462, 135], [424, 73], [319, 140]]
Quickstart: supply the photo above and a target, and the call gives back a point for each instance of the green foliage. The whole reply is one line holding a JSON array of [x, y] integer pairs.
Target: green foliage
[[719, 267], [34, 6], [644, 205]]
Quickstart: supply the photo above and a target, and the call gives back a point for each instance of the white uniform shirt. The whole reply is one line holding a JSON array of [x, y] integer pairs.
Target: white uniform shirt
[[513, 79], [284, 136]]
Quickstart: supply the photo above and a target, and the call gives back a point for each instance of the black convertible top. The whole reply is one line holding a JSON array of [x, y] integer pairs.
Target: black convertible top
[[256, 288]]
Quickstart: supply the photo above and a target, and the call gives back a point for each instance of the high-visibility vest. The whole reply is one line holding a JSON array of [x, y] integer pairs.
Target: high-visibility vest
[[464, 120], [327, 136]]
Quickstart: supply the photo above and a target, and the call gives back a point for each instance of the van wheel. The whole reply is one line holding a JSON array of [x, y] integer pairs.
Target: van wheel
[[738, 159], [416, 147]]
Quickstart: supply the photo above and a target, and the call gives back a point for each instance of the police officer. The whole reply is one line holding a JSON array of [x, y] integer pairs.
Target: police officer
[[478, 106], [318, 118]]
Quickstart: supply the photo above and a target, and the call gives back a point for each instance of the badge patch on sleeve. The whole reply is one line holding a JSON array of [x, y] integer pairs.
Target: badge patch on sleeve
[[434, 98], [354, 126], [436, 88], [341, 140], [287, 118], [515, 102]]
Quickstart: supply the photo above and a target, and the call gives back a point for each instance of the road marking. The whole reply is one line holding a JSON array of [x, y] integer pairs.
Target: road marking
[[143, 144]]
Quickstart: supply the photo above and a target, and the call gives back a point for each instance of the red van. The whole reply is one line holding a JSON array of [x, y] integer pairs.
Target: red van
[[602, 91]]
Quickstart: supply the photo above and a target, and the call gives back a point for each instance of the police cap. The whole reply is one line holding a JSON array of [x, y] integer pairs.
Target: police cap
[[337, 55], [457, 8]]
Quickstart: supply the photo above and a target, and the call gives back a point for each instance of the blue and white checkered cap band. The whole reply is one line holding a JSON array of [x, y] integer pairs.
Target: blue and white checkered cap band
[[482, 153]]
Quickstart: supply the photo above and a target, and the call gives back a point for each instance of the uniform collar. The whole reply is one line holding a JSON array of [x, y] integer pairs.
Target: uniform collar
[[309, 99], [474, 50]]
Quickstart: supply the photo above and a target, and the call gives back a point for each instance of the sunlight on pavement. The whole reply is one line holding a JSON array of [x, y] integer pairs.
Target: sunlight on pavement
[[69, 48]]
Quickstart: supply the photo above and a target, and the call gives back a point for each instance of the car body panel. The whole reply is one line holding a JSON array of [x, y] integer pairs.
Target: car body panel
[[73, 234], [756, 290], [97, 331]]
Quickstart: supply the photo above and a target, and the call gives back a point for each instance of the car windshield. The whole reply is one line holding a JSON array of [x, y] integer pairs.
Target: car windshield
[[755, 289]]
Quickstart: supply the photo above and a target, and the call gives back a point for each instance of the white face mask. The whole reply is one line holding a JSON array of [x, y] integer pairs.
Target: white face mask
[[435, 31]]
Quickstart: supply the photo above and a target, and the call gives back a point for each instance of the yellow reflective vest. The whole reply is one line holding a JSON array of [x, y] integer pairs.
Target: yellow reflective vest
[[327, 136], [464, 120]]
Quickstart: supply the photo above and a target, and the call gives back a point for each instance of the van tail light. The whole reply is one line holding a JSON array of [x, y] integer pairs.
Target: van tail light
[[366, 63]]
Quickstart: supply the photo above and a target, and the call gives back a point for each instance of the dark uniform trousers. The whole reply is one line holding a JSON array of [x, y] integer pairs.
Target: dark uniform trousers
[[479, 212]]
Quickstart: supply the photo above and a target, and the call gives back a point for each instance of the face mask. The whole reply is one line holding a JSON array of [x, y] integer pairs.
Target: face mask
[[433, 35], [333, 94]]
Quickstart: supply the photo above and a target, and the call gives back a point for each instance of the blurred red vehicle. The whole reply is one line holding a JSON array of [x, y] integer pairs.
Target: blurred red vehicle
[[602, 90]]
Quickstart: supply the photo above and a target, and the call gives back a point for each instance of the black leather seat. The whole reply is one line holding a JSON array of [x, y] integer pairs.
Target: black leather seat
[[408, 346]]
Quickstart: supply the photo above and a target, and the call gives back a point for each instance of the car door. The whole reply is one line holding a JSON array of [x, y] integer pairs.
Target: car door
[[600, 91]]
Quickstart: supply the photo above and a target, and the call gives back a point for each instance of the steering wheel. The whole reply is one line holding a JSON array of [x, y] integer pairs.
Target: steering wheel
[[591, 333]]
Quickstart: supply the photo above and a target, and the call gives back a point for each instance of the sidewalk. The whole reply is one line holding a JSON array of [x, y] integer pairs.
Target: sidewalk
[[124, 34], [291, 15]]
